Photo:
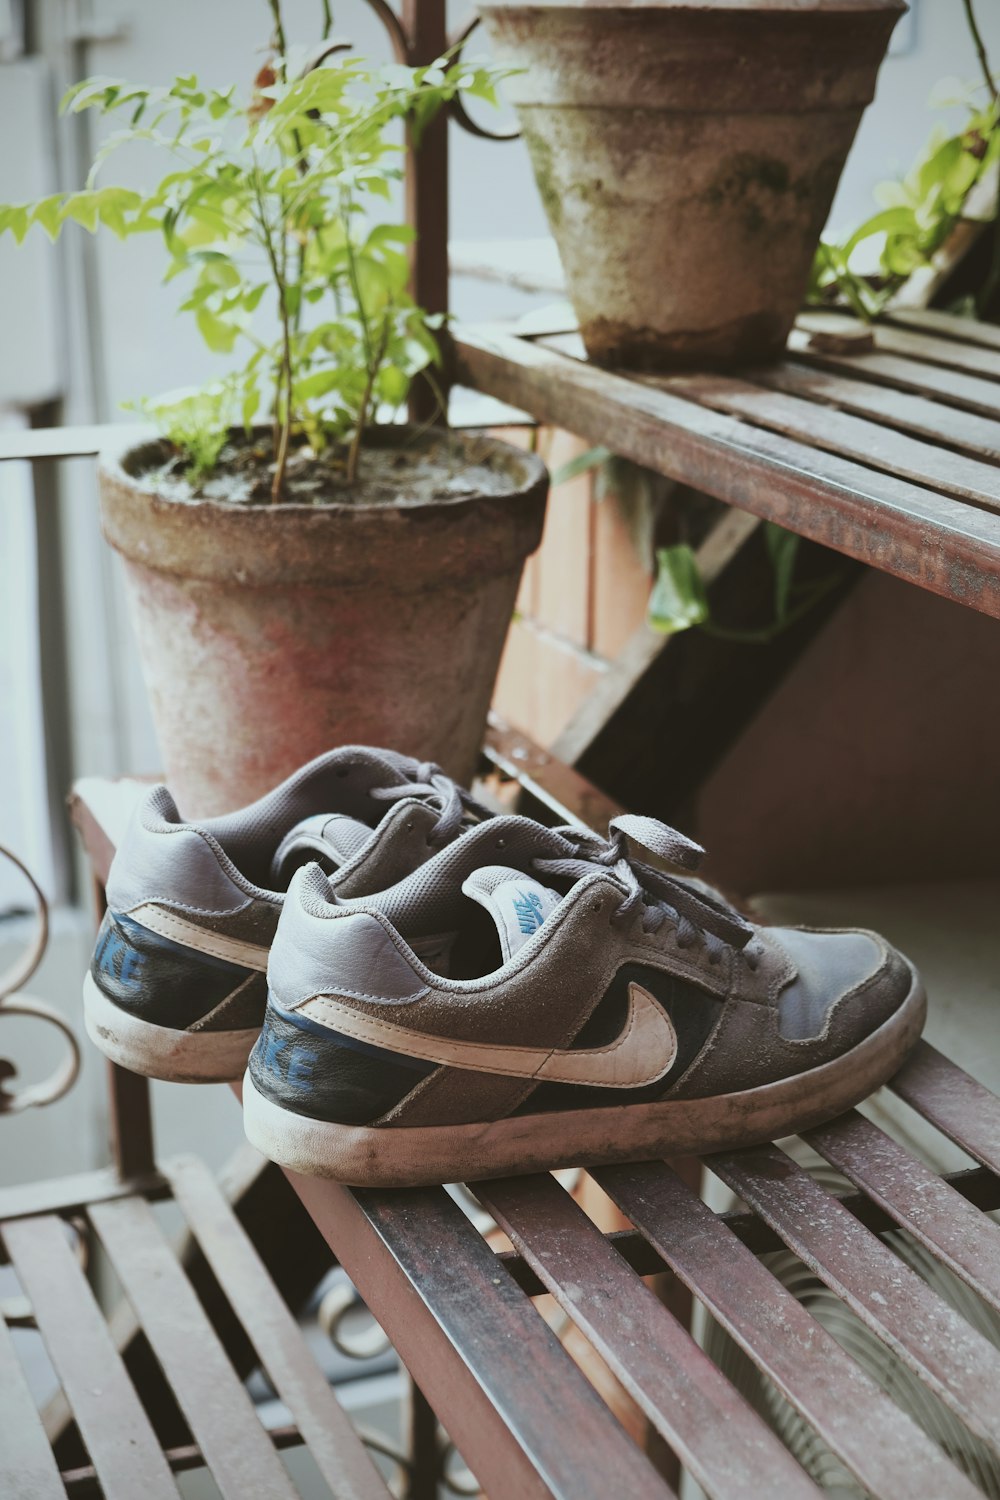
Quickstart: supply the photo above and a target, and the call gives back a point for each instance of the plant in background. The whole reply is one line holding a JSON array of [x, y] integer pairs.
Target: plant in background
[[920, 212], [267, 202]]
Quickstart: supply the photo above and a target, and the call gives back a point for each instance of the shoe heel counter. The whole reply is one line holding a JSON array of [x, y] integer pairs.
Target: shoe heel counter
[[304, 1067], [160, 981]]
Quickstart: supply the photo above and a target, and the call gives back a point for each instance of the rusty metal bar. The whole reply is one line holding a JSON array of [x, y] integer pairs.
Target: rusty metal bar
[[498, 1378], [673, 1382], [850, 1413], [917, 1199], [427, 187], [950, 1357], [961, 1108]]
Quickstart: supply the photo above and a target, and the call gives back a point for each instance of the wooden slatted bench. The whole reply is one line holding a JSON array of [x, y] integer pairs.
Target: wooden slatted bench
[[464, 1322]]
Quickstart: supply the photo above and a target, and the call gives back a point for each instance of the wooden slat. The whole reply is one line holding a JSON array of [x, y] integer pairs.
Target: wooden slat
[[215, 1404], [850, 1413], [852, 437], [962, 430], [935, 1341], [920, 1202], [674, 1383], [113, 1425], [27, 1468], [963, 1109], [932, 540], [947, 325], [338, 1451], [912, 343], [495, 1373], [646, 647], [953, 387]]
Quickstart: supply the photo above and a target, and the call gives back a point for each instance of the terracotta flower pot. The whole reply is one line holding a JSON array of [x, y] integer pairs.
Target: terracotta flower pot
[[687, 155], [269, 634]]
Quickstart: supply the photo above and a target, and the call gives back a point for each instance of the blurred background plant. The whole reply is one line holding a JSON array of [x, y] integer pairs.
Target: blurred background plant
[[920, 212], [275, 196]]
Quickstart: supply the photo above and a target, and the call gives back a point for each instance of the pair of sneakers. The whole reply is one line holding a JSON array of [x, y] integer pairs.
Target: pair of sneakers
[[427, 992]]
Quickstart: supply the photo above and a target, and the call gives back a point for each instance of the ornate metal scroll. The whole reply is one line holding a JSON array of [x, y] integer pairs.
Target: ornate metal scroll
[[12, 1003]]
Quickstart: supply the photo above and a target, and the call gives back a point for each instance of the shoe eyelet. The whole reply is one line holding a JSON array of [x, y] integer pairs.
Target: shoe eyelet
[[597, 906], [409, 827], [501, 843]]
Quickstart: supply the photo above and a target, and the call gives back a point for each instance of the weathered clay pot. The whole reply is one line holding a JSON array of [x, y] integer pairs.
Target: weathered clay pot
[[269, 634], [687, 155]]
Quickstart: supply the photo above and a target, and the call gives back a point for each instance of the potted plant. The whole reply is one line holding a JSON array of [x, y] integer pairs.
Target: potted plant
[[301, 572], [687, 153]]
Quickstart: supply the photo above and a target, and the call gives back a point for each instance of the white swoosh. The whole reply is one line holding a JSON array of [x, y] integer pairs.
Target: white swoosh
[[178, 929], [643, 1052]]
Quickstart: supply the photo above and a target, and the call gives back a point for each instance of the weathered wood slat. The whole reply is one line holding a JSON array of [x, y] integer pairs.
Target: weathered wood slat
[[953, 387], [932, 540], [674, 1383], [913, 343], [938, 1218], [948, 1355], [27, 1467], [338, 1451], [947, 325], [113, 1425], [961, 1108], [495, 1373], [851, 436], [850, 1413], [215, 1404], [962, 430]]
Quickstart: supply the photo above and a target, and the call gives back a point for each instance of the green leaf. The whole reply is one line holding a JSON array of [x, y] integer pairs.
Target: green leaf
[[219, 336], [678, 600], [783, 549]]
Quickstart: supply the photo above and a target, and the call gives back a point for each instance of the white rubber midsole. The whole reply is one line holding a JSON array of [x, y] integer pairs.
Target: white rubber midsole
[[160, 1052], [401, 1156]]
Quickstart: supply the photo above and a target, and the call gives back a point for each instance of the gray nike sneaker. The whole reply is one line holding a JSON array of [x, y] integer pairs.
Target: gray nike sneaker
[[176, 988], [589, 1008]]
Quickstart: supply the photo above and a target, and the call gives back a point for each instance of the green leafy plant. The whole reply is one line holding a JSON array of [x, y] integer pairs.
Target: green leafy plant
[[268, 201], [919, 213]]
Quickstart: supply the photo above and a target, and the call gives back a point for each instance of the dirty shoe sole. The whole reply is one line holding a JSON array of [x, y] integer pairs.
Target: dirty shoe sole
[[389, 1156], [158, 1051]]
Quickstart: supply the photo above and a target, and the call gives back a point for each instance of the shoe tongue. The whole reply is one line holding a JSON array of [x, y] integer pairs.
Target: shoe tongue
[[331, 839], [517, 903]]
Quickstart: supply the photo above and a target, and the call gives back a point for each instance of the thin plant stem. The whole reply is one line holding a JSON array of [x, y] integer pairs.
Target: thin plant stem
[[374, 365], [279, 30], [980, 46], [327, 19]]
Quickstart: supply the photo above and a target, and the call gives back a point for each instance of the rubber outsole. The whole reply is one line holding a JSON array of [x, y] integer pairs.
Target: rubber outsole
[[400, 1156], [160, 1052]]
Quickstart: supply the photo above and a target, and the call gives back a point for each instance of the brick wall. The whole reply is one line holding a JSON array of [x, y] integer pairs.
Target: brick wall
[[583, 594]]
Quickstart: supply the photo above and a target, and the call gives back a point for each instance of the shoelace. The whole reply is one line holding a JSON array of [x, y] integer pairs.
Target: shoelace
[[695, 914], [453, 802]]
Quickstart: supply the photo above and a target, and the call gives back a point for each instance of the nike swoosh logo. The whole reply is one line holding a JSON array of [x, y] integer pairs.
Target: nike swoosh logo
[[643, 1051], [178, 929]]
